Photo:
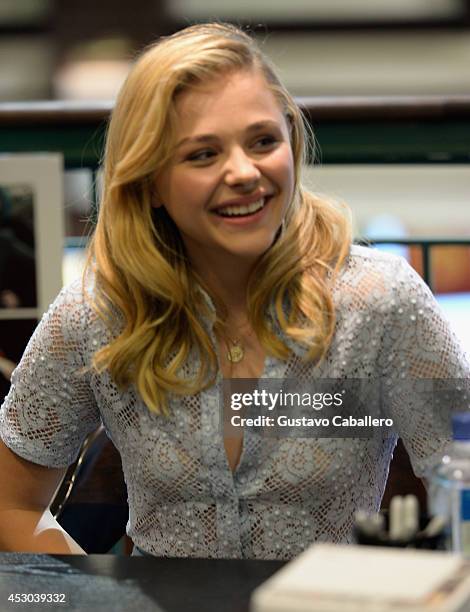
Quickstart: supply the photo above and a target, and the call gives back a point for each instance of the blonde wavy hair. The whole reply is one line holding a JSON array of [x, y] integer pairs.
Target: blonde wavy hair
[[145, 288]]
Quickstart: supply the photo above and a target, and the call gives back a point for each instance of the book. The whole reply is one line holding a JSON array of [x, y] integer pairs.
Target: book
[[332, 578]]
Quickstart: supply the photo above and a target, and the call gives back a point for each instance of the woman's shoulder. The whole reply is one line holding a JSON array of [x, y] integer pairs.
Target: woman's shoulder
[[72, 314], [373, 257], [370, 276], [76, 296], [373, 263]]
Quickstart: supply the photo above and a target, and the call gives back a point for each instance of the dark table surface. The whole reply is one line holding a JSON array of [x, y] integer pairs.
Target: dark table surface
[[115, 583]]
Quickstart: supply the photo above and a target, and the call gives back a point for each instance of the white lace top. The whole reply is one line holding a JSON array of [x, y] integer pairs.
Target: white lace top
[[285, 493]]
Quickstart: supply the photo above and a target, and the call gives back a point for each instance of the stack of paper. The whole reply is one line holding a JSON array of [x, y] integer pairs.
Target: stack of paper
[[330, 578]]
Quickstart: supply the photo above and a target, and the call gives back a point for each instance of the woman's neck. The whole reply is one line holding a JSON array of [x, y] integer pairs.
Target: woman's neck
[[228, 280]]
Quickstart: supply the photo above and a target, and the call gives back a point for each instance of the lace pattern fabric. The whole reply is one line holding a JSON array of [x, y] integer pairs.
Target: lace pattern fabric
[[285, 493]]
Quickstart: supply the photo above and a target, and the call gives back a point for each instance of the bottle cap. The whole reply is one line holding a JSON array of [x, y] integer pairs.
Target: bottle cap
[[461, 426]]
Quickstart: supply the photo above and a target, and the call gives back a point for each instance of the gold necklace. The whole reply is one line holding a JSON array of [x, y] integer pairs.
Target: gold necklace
[[235, 350]]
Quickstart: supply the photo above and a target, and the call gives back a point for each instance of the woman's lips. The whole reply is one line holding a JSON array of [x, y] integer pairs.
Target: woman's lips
[[245, 219]]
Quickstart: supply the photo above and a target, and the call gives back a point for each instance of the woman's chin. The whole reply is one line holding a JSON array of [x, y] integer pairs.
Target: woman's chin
[[247, 249], [249, 254]]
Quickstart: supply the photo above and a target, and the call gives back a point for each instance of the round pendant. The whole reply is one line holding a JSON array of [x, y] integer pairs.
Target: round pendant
[[235, 353]]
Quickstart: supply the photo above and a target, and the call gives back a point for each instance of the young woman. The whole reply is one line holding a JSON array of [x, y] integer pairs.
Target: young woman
[[211, 261]]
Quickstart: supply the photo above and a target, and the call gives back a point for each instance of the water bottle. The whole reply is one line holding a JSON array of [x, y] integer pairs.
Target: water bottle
[[449, 488]]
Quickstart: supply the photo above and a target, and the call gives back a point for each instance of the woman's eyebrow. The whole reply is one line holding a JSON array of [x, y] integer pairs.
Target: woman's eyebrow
[[261, 125], [204, 138], [201, 138]]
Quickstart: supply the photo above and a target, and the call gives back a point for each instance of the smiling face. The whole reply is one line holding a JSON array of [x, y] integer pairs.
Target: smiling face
[[231, 178]]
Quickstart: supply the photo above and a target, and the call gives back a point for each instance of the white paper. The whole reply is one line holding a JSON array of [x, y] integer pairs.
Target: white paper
[[368, 572]]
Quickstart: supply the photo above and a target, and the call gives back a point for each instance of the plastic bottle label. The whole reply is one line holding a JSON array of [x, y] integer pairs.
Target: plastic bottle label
[[465, 520]]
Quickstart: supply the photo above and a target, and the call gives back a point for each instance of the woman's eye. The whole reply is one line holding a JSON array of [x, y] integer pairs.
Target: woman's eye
[[265, 142], [201, 156]]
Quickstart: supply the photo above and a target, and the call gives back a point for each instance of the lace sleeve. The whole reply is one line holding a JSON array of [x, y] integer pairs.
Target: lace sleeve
[[426, 371], [50, 407]]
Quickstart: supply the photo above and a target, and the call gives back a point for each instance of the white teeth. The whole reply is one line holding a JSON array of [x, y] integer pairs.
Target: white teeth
[[242, 210]]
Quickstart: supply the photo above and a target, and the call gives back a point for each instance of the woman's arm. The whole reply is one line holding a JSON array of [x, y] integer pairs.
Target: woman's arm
[[426, 373], [26, 524], [48, 412]]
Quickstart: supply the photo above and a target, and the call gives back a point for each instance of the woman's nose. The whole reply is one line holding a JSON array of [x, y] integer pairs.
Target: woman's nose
[[241, 169]]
